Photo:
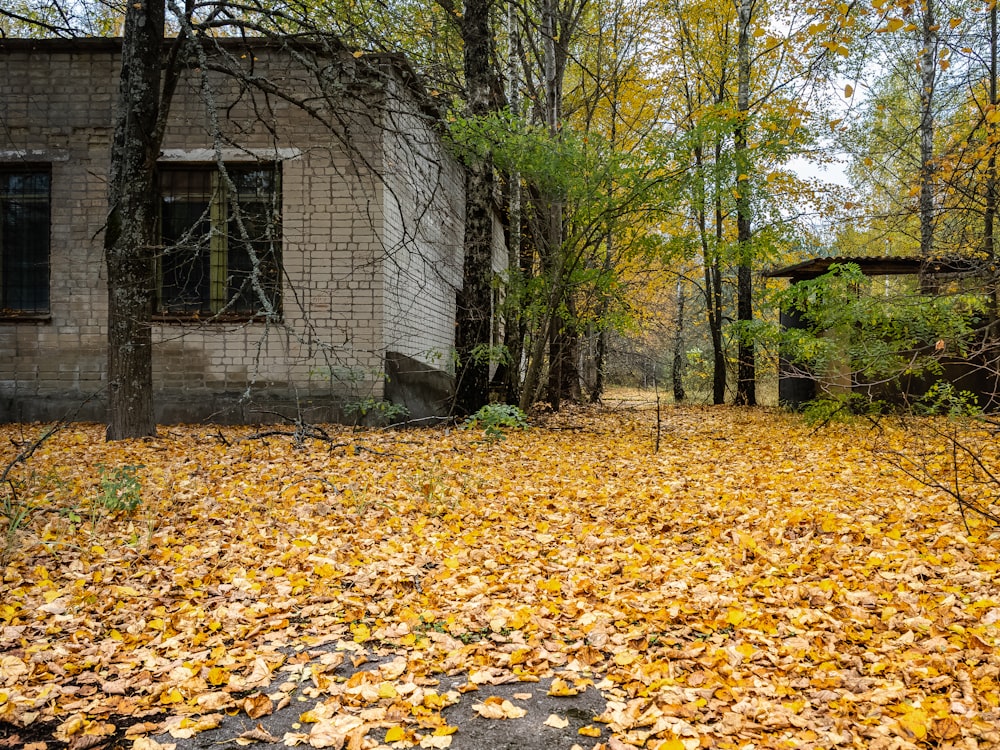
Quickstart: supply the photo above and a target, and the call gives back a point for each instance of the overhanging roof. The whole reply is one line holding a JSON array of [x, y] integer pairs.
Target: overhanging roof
[[883, 266]]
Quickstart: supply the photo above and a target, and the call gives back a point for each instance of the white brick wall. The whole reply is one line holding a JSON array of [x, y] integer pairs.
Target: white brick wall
[[363, 274]]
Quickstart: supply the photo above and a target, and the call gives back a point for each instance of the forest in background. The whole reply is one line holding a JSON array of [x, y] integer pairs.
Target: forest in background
[[652, 159]]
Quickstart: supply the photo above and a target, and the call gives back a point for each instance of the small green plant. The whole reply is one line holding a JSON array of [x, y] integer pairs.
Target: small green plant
[[120, 489], [16, 513], [494, 418], [839, 407], [375, 412], [945, 399]]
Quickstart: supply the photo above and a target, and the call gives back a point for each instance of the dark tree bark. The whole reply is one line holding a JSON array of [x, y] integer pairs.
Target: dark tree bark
[[474, 313], [130, 237], [677, 366], [746, 389], [599, 363], [564, 354], [713, 291]]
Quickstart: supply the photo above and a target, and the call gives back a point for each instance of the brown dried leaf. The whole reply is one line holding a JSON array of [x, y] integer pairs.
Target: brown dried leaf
[[257, 705], [257, 734]]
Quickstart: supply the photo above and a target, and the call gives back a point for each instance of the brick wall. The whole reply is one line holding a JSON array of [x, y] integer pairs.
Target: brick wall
[[424, 226], [348, 240]]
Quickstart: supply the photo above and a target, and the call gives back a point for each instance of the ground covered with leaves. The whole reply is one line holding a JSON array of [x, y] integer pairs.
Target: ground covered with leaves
[[754, 583]]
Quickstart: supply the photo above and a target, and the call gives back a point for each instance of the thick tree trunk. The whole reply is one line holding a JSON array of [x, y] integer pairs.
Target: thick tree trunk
[[746, 389], [677, 366], [474, 313], [130, 237], [564, 354]]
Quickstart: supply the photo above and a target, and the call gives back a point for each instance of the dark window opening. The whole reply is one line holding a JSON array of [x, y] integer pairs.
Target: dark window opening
[[221, 239], [24, 241]]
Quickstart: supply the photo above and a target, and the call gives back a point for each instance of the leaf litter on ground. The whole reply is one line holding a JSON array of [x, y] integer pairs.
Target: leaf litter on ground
[[754, 581]]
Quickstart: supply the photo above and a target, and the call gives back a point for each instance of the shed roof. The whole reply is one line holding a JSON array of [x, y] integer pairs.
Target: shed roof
[[878, 266]]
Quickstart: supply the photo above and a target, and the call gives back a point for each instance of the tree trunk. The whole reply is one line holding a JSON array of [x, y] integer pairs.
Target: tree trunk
[[130, 237], [564, 354], [991, 182], [928, 77], [746, 390], [677, 366], [713, 284], [599, 358], [474, 306]]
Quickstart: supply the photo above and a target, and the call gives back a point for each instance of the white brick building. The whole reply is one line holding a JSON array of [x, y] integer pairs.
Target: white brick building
[[311, 225]]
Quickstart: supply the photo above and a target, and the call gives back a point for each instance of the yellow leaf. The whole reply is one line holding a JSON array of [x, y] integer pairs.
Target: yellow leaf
[[848, 91], [172, 696], [671, 744], [395, 734], [914, 723], [954, 22], [735, 617], [589, 731], [218, 676], [624, 658], [361, 632], [519, 656], [561, 688], [893, 24], [387, 690]]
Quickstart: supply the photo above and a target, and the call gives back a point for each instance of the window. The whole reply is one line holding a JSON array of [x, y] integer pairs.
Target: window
[[24, 241], [221, 241]]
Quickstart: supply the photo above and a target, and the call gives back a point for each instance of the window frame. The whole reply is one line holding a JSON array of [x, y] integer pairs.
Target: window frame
[[217, 306], [9, 314]]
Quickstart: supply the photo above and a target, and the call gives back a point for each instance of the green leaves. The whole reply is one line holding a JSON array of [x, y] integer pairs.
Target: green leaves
[[884, 331]]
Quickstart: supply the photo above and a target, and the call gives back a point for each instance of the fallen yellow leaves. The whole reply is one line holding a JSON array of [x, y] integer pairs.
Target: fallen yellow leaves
[[560, 688], [754, 582]]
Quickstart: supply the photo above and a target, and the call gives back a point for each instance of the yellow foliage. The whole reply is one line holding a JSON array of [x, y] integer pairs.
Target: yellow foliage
[[752, 562]]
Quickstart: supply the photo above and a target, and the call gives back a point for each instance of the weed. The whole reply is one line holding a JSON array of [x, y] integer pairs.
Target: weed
[[120, 490], [371, 411], [17, 513], [494, 418]]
